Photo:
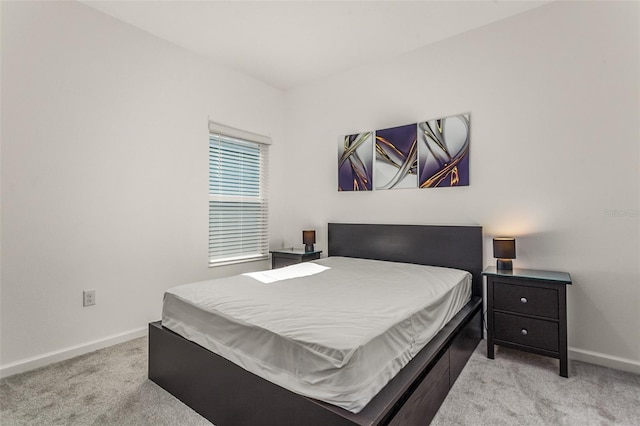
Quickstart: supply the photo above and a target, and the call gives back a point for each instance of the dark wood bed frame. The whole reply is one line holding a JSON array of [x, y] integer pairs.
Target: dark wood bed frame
[[226, 394]]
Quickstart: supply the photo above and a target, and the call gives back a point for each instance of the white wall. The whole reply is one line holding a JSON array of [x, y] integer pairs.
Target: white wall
[[554, 102], [104, 174]]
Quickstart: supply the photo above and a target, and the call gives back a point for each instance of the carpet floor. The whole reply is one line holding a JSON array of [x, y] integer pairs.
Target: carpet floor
[[110, 387]]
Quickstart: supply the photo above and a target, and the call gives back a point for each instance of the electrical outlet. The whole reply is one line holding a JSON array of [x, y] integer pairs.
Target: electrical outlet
[[88, 297]]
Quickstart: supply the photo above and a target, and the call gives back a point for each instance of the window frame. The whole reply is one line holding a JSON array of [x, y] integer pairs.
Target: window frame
[[231, 138]]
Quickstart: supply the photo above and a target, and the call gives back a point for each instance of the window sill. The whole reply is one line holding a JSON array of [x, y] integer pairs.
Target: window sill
[[235, 261]]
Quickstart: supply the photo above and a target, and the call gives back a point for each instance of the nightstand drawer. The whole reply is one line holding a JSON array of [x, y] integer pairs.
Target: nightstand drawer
[[286, 257], [526, 331], [282, 261], [542, 302]]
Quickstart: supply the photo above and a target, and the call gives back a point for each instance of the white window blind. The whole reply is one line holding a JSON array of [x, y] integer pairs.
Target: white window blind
[[238, 202]]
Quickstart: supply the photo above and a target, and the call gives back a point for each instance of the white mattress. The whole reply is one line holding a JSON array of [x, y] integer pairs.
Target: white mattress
[[338, 335]]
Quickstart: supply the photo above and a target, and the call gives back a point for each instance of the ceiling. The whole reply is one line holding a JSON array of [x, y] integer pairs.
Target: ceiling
[[290, 43]]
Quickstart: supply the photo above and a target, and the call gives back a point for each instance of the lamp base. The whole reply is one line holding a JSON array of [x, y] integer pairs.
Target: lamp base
[[504, 265], [308, 248]]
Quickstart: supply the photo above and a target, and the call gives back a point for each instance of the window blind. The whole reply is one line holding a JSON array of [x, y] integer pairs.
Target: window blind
[[238, 202]]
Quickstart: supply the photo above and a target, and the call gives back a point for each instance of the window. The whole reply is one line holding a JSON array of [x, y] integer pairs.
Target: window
[[238, 207]]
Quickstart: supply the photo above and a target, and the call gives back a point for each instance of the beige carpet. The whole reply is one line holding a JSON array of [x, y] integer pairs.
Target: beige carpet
[[518, 388], [110, 387]]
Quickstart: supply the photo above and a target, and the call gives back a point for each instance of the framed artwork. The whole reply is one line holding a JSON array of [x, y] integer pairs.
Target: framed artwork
[[355, 162], [443, 152], [396, 157]]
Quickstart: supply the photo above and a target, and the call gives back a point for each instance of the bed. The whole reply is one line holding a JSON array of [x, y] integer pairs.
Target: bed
[[227, 394]]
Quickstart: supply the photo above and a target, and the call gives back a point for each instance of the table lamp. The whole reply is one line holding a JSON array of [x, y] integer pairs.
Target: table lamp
[[504, 249], [308, 238]]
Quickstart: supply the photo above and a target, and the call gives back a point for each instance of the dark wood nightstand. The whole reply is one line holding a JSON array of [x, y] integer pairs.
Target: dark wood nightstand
[[286, 257], [527, 310]]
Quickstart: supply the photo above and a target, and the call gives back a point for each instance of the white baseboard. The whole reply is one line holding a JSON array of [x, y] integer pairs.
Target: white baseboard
[[32, 363], [70, 352], [604, 360]]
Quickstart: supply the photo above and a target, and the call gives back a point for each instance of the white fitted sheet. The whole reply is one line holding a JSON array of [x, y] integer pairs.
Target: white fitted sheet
[[338, 335]]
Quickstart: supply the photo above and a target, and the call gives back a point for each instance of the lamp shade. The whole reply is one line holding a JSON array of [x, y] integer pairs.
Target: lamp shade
[[504, 248], [309, 237]]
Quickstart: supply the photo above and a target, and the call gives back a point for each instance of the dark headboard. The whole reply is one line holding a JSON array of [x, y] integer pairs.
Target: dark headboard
[[450, 246]]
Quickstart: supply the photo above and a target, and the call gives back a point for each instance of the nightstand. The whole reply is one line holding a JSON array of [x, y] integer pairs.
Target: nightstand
[[527, 310], [286, 257]]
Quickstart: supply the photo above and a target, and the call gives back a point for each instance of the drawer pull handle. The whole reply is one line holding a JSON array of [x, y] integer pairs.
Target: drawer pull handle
[[523, 300], [524, 332]]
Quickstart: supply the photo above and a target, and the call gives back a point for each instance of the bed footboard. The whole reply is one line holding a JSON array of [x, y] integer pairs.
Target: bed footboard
[[226, 394], [221, 391]]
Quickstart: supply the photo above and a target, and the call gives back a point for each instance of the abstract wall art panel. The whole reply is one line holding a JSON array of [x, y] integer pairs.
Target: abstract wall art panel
[[443, 152], [429, 154], [396, 157], [355, 162]]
